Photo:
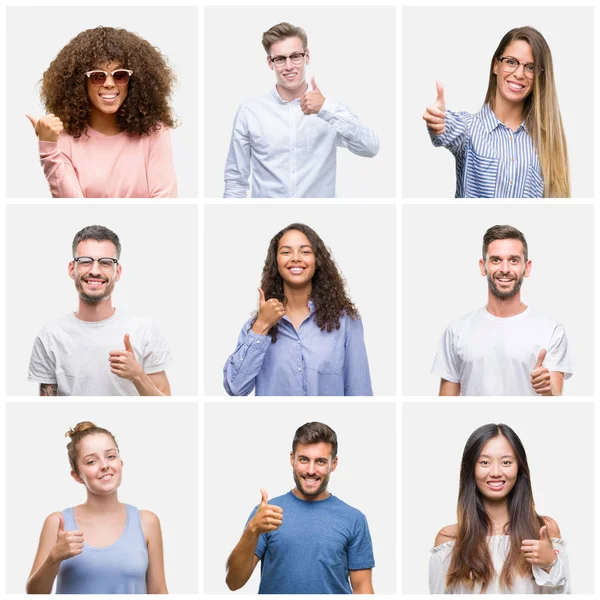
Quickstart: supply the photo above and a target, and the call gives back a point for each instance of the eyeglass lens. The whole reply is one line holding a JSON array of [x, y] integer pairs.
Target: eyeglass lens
[[99, 77]]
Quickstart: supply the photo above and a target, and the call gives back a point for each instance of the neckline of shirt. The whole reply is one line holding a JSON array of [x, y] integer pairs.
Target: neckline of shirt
[[93, 323], [275, 94], [128, 509], [491, 121], [492, 317], [311, 502]]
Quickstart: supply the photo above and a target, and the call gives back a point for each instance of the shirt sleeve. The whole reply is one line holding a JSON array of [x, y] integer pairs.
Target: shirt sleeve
[[243, 366], [237, 167], [558, 581], [156, 353], [557, 354], [162, 181], [261, 544], [445, 362], [357, 377], [42, 368], [456, 134], [360, 550], [438, 567], [61, 176], [351, 133]]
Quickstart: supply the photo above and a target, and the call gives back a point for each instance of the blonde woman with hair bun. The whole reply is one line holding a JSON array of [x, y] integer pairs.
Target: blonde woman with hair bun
[[102, 546], [515, 146]]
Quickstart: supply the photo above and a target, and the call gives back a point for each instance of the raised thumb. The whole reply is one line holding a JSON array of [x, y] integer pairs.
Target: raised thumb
[[32, 120], [541, 357], [544, 535], [440, 94], [261, 295], [314, 85], [127, 343], [264, 497], [61, 524]]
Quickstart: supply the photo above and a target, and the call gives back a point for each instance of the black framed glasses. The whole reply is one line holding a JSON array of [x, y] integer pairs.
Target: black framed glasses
[[510, 65], [120, 76], [297, 58], [105, 263]]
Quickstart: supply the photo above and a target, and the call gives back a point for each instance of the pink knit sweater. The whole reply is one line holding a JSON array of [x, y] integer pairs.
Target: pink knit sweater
[[110, 166]]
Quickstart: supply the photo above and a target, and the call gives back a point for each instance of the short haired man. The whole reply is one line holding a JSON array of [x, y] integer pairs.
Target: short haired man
[[99, 351], [309, 541], [288, 138], [504, 348]]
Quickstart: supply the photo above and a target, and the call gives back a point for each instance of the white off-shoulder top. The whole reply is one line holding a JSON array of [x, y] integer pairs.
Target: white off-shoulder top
[[558, 581]]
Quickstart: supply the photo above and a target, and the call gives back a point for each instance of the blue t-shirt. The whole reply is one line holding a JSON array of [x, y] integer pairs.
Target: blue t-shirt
[[316, 546]]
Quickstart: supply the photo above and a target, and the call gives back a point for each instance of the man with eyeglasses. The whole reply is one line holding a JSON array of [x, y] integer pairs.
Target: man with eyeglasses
[[99, 351], [288, 138]]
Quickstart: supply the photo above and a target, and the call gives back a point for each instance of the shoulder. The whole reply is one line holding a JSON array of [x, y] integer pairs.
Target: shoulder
[[446, 534], [348, 511], [465, 320], [149, 518], [551, 527], [55, 326], [53, 519], [535, 315]]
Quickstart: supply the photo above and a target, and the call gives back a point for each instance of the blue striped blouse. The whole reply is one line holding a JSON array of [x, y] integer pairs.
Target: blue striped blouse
[[492, 160]]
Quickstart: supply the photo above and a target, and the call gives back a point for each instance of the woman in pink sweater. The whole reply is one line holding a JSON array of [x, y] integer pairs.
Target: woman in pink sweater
[[107, 131]]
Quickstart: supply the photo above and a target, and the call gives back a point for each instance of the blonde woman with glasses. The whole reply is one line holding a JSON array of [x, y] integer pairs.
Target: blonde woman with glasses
[[515, 146]]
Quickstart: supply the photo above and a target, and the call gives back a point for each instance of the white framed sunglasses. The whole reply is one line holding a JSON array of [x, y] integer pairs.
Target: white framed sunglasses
[[119, 76]]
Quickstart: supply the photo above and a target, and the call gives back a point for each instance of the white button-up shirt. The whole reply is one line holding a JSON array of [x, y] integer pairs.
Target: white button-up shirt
[[290, 154]]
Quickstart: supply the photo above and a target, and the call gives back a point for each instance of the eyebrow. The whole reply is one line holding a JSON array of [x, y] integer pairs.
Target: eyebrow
[[488, 456], [94, 454], [318, 457], [290, 247], [511, 256]]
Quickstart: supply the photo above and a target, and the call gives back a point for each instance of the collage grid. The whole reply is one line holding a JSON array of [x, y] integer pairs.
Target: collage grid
[[204, 488]]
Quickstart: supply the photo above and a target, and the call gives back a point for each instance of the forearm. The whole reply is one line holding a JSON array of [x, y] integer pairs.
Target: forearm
[[145, 386], [244, 365], [162, 181], [456, 131], [240, 563], [48, 389], [61, 177], [358, 138], [363, 589], [42, 580]]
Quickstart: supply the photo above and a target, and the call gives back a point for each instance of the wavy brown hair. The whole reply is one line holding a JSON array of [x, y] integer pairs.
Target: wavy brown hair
[[64, 91], [328, 287], [471, 562], [541, 111]]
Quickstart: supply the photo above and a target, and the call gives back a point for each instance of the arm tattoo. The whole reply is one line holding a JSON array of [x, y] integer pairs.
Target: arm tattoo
[[48, 389]]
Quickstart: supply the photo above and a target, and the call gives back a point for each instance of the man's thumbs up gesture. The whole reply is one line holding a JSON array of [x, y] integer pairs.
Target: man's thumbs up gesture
[[268, 517], [539, 552], [435, 114], [312, 101], [123, 362], [540, 377]]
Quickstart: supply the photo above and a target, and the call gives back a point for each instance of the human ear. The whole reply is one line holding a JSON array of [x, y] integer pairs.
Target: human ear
[[71, 269], [482, 267], [77, 478]]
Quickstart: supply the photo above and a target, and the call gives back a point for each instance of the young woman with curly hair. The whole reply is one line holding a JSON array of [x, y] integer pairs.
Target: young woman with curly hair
[[500, 544], [106, 134], [101, 546], [515, 146], [307, 337]]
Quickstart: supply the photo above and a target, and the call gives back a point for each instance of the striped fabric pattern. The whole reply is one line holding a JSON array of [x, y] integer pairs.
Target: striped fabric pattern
[[492, 161]]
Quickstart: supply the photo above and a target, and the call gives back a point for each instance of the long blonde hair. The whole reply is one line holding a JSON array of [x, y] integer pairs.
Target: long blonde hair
[[541, 110]]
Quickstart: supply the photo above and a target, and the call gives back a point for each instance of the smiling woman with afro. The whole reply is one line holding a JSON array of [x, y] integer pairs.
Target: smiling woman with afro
[[107, 131]]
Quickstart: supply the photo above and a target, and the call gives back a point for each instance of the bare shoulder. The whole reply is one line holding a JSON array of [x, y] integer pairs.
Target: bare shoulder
[[149, 518], [446, 534], [551, 527], [52, 520]]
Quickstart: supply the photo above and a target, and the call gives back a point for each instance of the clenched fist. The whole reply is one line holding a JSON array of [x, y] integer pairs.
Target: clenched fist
[[269, 313], [268, 517], [68, 543], [435, 114], [47, 128]]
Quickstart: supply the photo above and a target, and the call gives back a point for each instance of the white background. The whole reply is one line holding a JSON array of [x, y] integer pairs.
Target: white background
[[357, 69], [37, 34], [558, 439], [362, 241], [444, 262], [253, 452], [159, 278], [159, 447], [455, 46]]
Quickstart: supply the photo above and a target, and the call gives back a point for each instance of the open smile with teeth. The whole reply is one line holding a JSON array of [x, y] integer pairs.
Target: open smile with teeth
[[94, 282], [109, 97], [515, 87], [290, 75], [106, 477], [296, 270], [504, 279], [496, 485], [311, 481]]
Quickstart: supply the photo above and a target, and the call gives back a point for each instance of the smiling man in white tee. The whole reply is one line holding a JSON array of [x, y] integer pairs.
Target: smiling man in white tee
[[505, 348], [99, 350], [287, 139]]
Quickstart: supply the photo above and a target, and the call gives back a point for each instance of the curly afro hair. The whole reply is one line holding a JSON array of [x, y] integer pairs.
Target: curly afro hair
[[328, 287], [64, 91]]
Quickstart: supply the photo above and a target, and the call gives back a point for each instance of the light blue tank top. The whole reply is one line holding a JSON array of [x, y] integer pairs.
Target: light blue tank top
[[116, 569]]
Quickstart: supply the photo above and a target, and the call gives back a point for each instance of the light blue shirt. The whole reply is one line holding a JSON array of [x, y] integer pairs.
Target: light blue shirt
[[492, 160], [316, 547], [306, 362], [290, 154]]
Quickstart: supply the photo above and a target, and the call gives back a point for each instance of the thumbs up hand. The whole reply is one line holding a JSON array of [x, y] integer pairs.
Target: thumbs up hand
[[123, 362], [312, 101], [269, 313], [268, 517], [435, 114], [68, 543], [540, 377], [46, 128], [539, 552]]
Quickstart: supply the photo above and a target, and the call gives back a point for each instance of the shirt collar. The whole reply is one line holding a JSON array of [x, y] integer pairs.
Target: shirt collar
[[491, 121], [275, 94]]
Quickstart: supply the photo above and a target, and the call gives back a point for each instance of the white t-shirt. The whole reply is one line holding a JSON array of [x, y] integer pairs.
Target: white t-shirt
[[74, 354], [493, 356]]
